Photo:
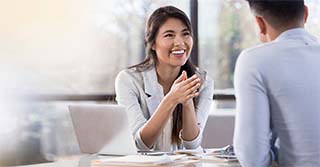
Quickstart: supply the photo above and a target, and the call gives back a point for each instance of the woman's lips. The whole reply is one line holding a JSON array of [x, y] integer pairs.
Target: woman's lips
[[178, 53]]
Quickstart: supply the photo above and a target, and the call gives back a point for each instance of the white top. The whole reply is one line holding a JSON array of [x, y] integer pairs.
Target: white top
[[141, 94], [277, 88]]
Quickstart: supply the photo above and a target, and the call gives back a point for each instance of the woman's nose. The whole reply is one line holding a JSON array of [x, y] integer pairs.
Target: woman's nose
[[178, 41]]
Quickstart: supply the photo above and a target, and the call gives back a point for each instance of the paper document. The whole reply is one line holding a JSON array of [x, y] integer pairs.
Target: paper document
[[138, 160], [225, 153]]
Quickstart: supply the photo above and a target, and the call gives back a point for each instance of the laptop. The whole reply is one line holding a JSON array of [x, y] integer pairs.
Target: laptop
[[102, 129]]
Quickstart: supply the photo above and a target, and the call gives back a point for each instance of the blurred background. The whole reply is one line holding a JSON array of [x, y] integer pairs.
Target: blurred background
[[59, 52]]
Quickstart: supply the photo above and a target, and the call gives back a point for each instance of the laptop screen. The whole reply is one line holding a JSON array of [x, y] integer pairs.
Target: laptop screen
[[102, 129]]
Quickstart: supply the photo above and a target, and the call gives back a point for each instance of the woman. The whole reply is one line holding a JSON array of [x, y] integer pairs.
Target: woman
[[167, 99]]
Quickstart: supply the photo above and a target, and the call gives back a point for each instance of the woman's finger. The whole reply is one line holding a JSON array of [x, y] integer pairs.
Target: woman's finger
[[193, 83], [182, 77], [192, 95], [189, 80], [193, 89]]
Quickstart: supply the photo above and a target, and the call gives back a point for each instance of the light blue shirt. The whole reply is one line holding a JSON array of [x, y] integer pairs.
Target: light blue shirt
[[277, 88]]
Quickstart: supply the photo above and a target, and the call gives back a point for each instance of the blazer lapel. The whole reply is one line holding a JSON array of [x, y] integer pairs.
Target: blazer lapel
[[153, 90]]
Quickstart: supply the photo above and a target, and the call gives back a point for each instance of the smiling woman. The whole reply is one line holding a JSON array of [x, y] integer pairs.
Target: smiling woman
[[173, 44], [166, 97]]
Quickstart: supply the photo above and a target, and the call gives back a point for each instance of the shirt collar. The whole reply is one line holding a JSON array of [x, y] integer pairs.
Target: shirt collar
[[296, 33]]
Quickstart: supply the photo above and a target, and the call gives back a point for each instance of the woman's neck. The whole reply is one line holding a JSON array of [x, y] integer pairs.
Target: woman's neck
[[166, 76]]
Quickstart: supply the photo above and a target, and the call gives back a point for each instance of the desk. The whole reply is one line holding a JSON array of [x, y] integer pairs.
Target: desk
[[84, 161]]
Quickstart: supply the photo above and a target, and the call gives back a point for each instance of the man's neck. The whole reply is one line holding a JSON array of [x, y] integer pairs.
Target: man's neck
[[274, 33]]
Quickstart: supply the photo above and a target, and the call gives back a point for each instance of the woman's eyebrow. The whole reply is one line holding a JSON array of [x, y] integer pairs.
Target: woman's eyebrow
[[172, 31], [168, 31], [185, 29]]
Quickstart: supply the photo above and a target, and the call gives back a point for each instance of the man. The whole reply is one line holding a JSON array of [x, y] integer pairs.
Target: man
[[277, 87]]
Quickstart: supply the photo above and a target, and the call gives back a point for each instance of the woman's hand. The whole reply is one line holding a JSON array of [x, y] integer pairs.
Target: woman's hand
[[184, 89]]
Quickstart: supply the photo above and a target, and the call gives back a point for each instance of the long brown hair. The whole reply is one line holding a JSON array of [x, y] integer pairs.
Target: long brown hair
[[155, 21]]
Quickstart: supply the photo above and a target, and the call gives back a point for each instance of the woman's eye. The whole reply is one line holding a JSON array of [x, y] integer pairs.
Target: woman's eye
[[186, 33], [168, 35]]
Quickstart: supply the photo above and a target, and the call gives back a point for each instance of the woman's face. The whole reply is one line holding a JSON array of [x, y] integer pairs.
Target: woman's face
[[173, 43]]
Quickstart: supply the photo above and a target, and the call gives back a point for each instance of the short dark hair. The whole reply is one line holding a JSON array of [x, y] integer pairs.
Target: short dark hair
[[279, 13]]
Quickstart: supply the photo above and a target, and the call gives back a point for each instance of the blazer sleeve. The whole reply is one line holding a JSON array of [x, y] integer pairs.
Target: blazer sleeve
[[202, 110], [127, 95]]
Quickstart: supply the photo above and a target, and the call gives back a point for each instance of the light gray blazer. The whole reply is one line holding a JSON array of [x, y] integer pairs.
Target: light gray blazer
[[141, 94]]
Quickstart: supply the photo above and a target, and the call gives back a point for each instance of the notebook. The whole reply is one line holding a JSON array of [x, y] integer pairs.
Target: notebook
[[102, 129]]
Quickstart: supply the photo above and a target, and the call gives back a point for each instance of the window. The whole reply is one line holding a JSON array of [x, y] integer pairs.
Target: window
[[70, 47]]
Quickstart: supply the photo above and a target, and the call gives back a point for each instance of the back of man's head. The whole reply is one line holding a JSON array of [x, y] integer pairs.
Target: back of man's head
[[279, 13]]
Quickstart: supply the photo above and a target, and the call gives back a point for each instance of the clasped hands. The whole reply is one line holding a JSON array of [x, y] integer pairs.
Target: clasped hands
[[184, 89]]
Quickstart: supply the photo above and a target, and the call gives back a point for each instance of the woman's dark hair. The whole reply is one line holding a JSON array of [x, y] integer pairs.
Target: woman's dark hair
[[155, 21], [279, 13]]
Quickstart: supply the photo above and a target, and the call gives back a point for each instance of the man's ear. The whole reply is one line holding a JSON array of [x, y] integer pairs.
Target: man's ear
[[306, 13], [263, 36], [261, 24]]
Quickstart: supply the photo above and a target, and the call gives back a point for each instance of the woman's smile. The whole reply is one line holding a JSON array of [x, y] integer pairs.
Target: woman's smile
[[173, 43], [178, 53]]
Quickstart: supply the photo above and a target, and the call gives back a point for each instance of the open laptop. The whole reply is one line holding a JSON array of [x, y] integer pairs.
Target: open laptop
[[102, 129]]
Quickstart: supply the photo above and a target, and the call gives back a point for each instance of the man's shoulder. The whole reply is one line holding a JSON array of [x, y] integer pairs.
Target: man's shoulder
[[259, 56], [262, 54], [261, 49]]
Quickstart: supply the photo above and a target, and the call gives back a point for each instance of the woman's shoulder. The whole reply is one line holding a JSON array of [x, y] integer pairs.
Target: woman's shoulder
[[127, 78], [203, 75], [128, 73], [207, 81], [132, 73]]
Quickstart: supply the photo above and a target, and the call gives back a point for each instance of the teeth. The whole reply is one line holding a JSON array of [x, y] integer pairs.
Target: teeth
[[178, 52]]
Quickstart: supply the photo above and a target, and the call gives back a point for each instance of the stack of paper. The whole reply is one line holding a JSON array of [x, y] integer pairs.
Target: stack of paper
[[190, 152], [225, 154], [138, 160]]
